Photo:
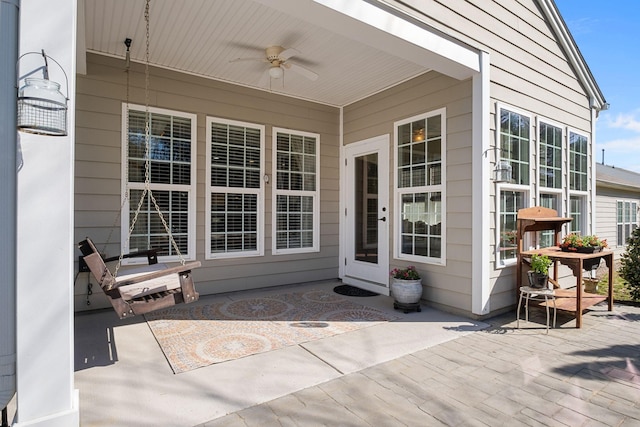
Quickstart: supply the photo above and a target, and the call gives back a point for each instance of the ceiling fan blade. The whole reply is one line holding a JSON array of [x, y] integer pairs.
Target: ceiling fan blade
[[301, 70], [288, 53], [249, 59]]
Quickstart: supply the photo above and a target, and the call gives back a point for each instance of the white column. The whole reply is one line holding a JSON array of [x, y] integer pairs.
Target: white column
[[45, 249], [481, 175]]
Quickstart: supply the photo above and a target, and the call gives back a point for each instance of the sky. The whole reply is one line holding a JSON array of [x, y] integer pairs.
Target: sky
[[607, 34]]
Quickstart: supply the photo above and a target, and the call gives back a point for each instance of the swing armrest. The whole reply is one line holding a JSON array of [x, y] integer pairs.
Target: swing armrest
[[155, 274], [150, 254]]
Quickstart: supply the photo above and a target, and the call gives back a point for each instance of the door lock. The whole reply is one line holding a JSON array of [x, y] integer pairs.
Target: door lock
[[383, 219]]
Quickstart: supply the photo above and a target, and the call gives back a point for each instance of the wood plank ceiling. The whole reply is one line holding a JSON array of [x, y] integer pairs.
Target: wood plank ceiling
[[201, 37]]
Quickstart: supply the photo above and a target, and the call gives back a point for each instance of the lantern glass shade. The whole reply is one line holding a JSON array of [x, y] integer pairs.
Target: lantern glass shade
[[42, 108], [503, 171], [276, 72]]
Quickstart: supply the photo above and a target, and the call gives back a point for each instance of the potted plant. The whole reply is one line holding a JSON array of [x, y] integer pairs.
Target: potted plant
[[539, 273], [406, 288], [585, 244]]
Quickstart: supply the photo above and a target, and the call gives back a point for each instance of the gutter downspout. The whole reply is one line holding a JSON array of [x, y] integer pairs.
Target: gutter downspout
[[9, 26]]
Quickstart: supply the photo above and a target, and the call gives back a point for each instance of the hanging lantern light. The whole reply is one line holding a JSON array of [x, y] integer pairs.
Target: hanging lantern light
[[503, 171], [42, 108]]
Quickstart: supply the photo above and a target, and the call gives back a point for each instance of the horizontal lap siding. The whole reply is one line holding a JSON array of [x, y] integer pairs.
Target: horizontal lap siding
[[98, 153], [444, 285], [529, 71]]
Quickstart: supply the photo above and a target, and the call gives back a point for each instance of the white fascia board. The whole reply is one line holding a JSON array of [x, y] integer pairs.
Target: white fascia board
[[371, 25]]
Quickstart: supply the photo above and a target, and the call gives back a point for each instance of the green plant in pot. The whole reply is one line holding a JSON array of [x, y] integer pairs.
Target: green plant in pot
[[539, 273]]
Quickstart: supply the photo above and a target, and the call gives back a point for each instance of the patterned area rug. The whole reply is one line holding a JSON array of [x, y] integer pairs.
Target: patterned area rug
[[195, 336]]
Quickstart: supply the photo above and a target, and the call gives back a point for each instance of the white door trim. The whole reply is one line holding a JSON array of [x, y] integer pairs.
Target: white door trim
[[374, 277]]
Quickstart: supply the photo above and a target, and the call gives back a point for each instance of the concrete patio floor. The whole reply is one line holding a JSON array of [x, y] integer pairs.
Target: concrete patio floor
[[499, 376], [125, 380], [425, 369]]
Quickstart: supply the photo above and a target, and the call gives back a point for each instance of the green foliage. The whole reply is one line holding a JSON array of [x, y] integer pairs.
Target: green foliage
[[630, 264], [540, 263]]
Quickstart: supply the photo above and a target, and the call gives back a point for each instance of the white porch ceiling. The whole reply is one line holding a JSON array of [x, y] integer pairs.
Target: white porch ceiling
[[201, 37]]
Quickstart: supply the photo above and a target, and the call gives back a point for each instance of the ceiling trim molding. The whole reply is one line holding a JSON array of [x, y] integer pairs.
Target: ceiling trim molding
[[374, 26]]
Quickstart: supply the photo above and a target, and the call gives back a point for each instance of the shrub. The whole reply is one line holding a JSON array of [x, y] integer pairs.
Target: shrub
[[630, 269]]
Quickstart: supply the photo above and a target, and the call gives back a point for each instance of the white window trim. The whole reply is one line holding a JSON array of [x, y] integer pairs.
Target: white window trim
[[623, 223], [584, 194], [315, 194], [568, 177], [442, 188], [211, 189], [190, 189], [563, 155], [526, 189]]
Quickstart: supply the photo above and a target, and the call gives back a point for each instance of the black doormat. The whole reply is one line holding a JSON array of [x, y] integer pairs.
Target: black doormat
[[352, 291]]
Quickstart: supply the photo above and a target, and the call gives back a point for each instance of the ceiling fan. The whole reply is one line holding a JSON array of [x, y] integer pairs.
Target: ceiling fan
[[278, 59]]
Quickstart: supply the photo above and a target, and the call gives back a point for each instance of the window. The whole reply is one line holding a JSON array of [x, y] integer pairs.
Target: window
[[550, 152], [578, 182], [578, 171], [514, 133], [551, 201], [420, 193], [510, 202], [296, 196], [514, 144], [627, 220], [172, 154], [576, 211], [235, 200]]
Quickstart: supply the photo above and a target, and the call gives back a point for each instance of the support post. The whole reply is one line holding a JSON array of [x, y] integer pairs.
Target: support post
[[46, 244]]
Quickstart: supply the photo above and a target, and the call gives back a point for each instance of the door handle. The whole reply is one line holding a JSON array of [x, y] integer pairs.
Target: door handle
[[383, 219]]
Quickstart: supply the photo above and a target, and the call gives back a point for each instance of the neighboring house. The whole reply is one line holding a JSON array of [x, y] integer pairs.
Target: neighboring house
[[385, 160], [617, 204]]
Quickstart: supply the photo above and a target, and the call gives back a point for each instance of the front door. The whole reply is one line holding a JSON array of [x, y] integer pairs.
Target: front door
[[367, 214]]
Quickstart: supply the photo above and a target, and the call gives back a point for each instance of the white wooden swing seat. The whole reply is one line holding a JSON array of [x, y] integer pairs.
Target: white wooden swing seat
[[145, 289]]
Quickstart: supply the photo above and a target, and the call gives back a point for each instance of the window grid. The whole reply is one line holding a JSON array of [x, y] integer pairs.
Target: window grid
[[576, 211], [578, 165], [551, 201], [419, 189], [234, 222], [296, 221], [510, 202], [171, 138], [514, 144], [627, 220], [550, 150], [169, 148], [235, 164]]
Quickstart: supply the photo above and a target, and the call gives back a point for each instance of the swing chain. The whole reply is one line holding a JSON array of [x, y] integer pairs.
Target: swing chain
[[147, 164]]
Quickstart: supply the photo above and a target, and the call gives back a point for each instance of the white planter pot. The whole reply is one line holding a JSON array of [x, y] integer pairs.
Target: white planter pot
[[406, 291]]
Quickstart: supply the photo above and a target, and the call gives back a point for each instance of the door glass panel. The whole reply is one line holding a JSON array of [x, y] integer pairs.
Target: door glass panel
[[366, 208]]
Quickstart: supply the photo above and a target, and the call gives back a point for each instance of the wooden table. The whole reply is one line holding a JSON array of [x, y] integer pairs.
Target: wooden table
[[578, 300]]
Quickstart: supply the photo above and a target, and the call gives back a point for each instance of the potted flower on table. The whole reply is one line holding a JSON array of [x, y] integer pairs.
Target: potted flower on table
[[584, 244], [406, 288]]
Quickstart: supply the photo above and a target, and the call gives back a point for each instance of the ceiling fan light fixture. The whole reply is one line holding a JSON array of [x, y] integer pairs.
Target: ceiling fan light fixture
[[276, 72]]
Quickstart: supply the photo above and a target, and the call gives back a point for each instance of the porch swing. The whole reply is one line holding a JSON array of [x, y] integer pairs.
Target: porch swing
[[154, 286]]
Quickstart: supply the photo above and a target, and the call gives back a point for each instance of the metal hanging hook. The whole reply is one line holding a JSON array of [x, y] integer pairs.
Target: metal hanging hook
[[127, 43]]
